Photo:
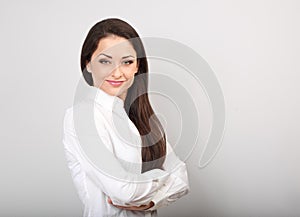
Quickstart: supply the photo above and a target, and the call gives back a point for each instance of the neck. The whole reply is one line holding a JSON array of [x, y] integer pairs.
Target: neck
[[123, 96]]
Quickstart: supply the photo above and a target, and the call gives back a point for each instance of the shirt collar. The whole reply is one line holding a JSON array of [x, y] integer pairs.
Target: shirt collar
[[108, 101]]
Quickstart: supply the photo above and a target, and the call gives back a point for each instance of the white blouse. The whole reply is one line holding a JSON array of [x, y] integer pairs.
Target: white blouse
[[122, 158]]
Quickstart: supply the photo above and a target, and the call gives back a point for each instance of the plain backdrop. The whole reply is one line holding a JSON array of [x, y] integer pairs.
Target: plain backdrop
[[252, 46]]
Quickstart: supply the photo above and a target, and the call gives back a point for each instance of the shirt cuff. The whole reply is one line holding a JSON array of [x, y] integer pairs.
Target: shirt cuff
[[159, 199]]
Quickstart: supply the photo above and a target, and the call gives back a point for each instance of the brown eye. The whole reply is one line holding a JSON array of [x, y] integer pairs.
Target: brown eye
[[128, 62], [103, 61]]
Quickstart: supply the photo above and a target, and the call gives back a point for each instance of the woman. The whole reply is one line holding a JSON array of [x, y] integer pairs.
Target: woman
[[114, 63]]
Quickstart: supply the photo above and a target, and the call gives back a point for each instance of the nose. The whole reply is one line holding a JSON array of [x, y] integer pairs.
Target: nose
[[117, 73]]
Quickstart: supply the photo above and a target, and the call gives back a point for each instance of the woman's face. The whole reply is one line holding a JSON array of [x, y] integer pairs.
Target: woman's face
[[113, 65]]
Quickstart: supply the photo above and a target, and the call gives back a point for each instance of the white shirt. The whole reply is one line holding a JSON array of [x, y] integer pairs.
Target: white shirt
[[121, 158]]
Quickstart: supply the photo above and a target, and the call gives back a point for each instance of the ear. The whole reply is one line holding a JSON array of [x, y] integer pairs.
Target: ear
[[88, 67]]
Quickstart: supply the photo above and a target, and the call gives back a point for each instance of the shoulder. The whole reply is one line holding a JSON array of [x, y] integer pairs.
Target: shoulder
[[68, 112], [84, 118], [77, 109], [68, 121]]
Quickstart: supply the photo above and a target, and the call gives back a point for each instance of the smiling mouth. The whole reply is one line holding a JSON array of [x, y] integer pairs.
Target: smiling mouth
[[115, 83]]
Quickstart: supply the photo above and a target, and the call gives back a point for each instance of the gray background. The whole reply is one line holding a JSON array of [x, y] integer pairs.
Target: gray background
[[253, 47]]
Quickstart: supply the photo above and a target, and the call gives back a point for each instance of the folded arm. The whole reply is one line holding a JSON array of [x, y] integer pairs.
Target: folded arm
[[128, 189], [177, 184]]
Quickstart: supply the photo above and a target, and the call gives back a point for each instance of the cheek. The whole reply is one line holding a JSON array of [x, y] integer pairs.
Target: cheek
[[130, 75], [130, 71], [101, 74], [99, 79], [129, 82]]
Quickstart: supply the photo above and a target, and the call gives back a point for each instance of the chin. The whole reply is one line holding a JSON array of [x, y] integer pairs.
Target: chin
[[113, 92]]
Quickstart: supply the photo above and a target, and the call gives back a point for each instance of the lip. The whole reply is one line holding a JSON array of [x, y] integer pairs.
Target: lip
[[115, 83]]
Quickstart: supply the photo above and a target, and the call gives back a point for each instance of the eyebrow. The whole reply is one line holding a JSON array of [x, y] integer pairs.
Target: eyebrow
[[105, 55], [111, 56], [128, 56]]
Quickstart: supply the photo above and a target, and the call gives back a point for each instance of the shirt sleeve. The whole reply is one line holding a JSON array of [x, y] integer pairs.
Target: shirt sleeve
[[176, 186], [125, 192], [78, 176]]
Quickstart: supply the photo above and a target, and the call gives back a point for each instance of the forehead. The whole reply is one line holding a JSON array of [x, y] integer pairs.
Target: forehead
[[115, 46]]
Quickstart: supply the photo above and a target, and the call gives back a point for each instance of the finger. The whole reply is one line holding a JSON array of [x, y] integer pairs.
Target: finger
[[137, 208], [109, 201], [122, 207]]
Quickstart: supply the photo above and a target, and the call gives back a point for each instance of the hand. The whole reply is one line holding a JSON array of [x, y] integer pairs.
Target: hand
[[134, 208]]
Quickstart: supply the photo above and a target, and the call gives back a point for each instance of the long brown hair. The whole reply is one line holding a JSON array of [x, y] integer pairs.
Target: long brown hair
[[137, 105]]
